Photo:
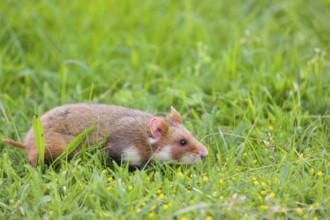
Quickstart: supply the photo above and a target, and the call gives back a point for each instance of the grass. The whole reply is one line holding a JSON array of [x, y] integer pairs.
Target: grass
[[40, 140], [251, 79]]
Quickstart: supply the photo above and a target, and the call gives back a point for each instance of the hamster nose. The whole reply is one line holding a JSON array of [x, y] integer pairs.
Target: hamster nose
[[203, 154]]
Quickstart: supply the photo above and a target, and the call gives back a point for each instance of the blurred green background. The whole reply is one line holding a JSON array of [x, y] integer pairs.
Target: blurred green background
[[128, 52]]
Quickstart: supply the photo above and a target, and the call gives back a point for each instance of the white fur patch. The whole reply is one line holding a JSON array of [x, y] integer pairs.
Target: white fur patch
[[152, 140], [132, 155], [190, 158], [164, 154]]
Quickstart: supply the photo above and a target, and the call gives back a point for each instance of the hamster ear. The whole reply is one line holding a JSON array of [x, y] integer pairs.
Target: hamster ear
[[158, 127], [175, 115]]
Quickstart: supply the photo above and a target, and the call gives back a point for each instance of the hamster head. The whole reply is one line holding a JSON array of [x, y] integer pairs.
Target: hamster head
[[173, 142]]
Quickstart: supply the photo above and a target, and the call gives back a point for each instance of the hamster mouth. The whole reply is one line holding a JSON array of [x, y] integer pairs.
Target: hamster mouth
[[190, 158]]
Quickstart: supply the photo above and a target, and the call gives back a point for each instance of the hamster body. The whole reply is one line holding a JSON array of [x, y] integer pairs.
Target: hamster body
[[129, 134]]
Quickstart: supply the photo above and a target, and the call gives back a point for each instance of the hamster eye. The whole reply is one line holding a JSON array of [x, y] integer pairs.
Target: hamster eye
[[183, 142]]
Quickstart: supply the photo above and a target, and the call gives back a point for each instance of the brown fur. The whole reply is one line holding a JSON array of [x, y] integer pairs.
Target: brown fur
[[121, 128], [14, 143]]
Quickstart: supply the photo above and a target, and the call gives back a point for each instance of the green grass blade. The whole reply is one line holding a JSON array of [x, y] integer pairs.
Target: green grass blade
[[40, 140], [73, 145]]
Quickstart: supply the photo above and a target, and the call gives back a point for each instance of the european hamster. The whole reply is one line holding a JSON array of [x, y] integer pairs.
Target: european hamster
[[129, 134]]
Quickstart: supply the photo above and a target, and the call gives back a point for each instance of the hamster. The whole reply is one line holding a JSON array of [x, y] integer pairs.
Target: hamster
[[130, 135]]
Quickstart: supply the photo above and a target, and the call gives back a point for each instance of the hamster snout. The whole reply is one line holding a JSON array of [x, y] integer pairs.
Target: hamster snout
[[203, 154]]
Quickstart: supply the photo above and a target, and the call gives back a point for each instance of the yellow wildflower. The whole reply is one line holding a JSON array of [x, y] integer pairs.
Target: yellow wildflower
[[151, 215], [110, 179], [245, 154], [270, 127], [183, 218], [161, 196], [221, 181], [272, 195], [263, 184], [319, 173], [312, 170], [256, 182], [180, 174], [254, 178], [234, 178], [263, 192], [166, 206], [130, 187], [138, 210], [205, 179], [315, 218], [208, 217], [109, 188], [159, 191], [329, 164], [299, 211], [264, 207]]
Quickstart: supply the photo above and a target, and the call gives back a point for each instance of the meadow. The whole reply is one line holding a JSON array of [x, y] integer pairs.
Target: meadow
[[250, 78]]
